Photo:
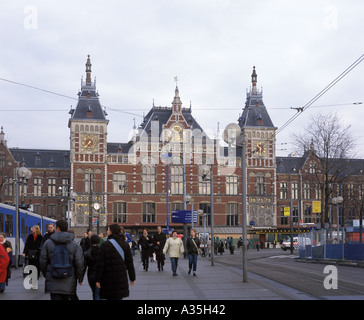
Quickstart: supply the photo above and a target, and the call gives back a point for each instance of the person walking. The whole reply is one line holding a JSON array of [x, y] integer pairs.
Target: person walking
[[32, 247], [174, 246], [193, 244], [90, 259], [61, 288], [146, 244], [9, 249], [47, 235], [4, 262], [114, 265], [159, 242]]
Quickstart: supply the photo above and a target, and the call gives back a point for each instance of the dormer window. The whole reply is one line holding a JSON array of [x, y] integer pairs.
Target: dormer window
[[89, 112]]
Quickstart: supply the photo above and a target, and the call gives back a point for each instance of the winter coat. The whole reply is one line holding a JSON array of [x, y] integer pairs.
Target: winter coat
[[174, 246], [191, 248], [32, 244], [112, 271], [90, 261], [66, 285], [161, 238], [4, 262]]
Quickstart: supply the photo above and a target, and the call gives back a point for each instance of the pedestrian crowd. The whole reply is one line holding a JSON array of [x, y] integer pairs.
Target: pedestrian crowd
[[106, 260]]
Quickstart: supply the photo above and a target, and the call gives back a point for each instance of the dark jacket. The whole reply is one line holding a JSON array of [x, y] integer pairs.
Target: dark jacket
[[191, 248], [90, 257], [67, 285], [32, 244], [112, 271], [144, 243], [161, 238]]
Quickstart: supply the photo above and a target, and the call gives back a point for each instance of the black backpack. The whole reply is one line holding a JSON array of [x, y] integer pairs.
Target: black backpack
[[61, 266]]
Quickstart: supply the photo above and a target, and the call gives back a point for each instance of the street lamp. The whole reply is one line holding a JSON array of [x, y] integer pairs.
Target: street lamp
[[204, 171], [233, 134], [70, 196], [337, 201], [167, 158], [22, 176]]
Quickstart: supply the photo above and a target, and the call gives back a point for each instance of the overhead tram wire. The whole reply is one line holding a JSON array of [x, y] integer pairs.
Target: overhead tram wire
[[321, 93], [57, 94]]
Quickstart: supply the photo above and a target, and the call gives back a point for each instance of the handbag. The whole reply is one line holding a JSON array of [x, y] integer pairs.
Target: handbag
[[33, 254], [118, 248], [198, 250]]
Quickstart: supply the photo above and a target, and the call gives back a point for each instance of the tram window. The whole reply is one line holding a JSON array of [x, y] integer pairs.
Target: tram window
[[2, 222], [9, 225]]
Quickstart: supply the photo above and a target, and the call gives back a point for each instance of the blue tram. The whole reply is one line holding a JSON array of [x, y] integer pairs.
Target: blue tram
[[27, 220]]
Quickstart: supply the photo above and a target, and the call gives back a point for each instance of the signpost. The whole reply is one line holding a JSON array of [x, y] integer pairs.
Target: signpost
[[184, 216]]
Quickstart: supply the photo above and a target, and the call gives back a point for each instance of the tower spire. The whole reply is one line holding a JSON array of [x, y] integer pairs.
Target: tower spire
[[254, 81], [88, 70]]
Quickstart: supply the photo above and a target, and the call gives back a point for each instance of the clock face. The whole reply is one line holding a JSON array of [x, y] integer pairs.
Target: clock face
[[89, 142], [260, 149]]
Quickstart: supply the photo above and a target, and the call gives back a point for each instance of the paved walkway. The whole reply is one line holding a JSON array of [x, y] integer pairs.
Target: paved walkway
[[219, 282]]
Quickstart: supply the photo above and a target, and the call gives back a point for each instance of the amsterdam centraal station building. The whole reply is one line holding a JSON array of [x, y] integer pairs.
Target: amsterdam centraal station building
[[170, 164]]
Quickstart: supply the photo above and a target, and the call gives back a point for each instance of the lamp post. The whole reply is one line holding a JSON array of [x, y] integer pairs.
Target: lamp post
[[233, 134], [22, 176], [204, 171], [167, 158], [337, 201], [70, 196]]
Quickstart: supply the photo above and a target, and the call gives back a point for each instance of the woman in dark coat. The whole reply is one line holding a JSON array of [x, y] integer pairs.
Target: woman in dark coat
[[146, 244], [32, 247], [111, 269], [159, 242], [90, 265]]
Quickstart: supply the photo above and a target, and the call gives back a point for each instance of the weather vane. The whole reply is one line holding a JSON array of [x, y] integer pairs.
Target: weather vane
[[176, 80]]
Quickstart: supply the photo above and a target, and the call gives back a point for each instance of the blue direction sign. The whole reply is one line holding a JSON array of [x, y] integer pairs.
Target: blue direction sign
[[184, 216]]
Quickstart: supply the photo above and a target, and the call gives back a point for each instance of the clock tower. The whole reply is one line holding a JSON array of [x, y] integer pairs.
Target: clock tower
[[259, 133], [88, 146]]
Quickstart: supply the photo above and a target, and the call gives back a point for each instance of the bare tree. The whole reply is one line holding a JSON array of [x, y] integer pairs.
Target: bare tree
[[332, 143]]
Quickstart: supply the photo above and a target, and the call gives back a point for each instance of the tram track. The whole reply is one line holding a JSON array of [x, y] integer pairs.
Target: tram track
[[299, 280]]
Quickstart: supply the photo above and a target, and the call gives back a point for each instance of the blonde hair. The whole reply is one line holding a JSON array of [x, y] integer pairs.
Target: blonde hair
[[37, 230]]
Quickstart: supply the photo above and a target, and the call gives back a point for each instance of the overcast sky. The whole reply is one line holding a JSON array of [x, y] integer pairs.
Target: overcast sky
[[137, 48]]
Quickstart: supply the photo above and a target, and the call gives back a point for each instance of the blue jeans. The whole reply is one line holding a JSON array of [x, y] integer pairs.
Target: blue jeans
[[174, 264], [192, 261]]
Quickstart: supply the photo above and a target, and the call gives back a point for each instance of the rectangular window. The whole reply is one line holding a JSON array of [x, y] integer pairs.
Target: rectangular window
[[52, 187], [232, 185], [148, 212], [9, 225], [203, 186], [232, 214], [284, 219], [259, 185], [89, 182], [206, 209], [119, 212], [8, 186], [37, 187], [119, 183], [148, 179], [307, 191], [51, 211], [283, 193], [2, 160], [295, 190], [176, 180]]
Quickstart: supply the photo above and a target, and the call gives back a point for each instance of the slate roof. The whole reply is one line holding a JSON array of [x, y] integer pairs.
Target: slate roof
[[162, 114], [88, 101], [38, 158]]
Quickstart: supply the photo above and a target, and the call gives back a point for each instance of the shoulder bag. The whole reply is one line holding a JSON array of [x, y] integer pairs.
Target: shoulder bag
[[118, 248]]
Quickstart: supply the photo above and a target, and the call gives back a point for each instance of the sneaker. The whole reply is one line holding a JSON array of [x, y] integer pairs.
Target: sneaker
[[194, 274], [189, 271]]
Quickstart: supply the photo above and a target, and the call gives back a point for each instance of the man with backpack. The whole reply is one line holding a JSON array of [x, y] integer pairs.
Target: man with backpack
[[61, 262]]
